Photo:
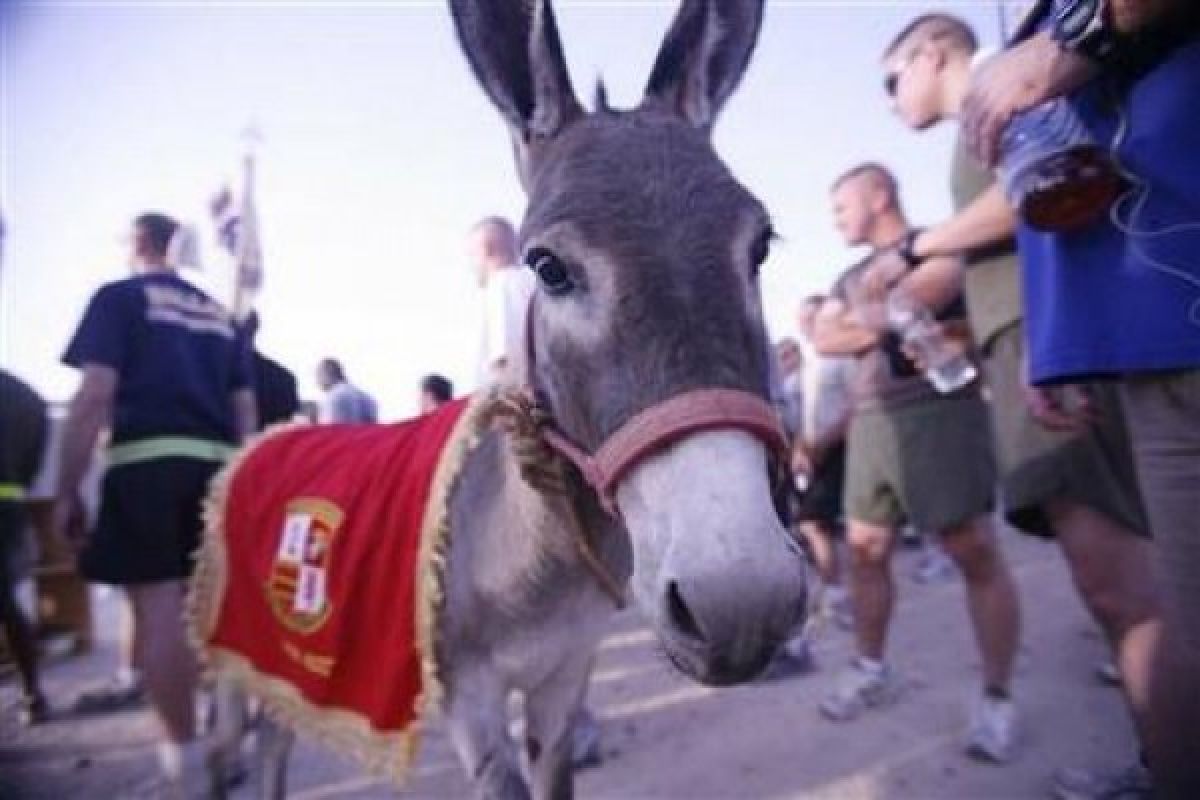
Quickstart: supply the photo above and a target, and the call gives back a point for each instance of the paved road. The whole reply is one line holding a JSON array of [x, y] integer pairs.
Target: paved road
[[665, 737]]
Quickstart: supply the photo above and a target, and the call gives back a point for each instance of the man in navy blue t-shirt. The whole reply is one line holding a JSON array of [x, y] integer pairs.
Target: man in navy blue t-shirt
[[162, 367], [1121, 297]]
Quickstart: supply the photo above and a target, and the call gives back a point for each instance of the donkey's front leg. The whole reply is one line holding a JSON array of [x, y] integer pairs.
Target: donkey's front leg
[[274, 745], [478, 722], [228, 715], [550, 713]]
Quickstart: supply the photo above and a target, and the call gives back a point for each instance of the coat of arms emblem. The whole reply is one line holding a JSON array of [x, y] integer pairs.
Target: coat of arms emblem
[[297, 589]]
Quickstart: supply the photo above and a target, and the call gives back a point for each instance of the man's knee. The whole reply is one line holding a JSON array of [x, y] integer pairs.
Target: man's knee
[[869, 545], [972, 546], [1111, 567]]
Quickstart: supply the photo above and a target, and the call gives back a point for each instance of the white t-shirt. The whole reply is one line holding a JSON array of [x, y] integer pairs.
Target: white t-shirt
[[505, 305], [827, 393]]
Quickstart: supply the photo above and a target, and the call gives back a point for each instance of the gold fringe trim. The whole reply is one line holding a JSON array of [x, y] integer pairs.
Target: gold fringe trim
[[386, 754], [435, 548]]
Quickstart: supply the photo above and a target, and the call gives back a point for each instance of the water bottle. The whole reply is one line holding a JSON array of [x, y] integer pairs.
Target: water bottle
[[1053, 171], [946, 366]]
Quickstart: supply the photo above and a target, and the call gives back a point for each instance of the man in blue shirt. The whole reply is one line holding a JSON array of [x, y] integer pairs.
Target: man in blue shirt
[[345, 403], [1074, 482], [161, 366], [1121, 297]]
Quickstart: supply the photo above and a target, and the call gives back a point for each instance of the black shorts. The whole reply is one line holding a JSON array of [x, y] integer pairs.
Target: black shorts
[[822, 501], [150, 522], [13, 522]]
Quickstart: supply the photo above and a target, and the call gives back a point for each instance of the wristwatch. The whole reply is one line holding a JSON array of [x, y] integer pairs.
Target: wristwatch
[[1083, 27], [905, 248]]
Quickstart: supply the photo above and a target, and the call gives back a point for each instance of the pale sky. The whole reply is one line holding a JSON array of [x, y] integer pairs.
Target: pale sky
[[379, 153]]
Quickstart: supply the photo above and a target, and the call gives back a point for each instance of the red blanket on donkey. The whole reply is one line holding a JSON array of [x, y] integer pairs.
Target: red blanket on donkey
[[317, 585]]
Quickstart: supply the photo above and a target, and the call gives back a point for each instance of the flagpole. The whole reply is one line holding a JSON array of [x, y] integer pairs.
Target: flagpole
[[248, 276]]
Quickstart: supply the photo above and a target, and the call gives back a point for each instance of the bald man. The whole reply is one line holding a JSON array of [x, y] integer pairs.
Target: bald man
[[508, 287]]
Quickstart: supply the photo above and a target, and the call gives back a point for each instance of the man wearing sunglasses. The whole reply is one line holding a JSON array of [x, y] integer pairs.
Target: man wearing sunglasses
[[1067, 470]]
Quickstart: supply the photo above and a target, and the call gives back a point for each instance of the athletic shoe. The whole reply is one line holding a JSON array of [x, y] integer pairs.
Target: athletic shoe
[[585, 740], [1108, 673], [993, 730], [934, 567], [860, 686], [113, 696], [34, 710]]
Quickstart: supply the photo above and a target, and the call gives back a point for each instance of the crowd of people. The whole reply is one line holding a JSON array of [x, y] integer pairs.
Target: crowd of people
[[971, 373], [1085, 339]]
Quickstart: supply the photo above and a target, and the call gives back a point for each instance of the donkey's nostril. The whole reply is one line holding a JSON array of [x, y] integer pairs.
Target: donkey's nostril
[[680, 615]]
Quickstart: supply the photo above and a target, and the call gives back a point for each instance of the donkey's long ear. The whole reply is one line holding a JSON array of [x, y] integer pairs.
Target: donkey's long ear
[[704, 56], [516, 54]]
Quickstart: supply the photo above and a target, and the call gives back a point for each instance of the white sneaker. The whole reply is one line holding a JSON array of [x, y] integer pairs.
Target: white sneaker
[[860, 686], [186, 772], [992, 733], [1108, 673], [934, 567], [585, 739]]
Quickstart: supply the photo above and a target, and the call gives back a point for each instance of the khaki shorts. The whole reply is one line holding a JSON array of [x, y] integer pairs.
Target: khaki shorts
[[1094, 469], [1164, 417], [929, 463]]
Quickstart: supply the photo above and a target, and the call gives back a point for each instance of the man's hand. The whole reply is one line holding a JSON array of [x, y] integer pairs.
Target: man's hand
[[802, 461], [872, 317], [69, 522], [955, 332], [838, 332], [1066, 409], [1017, 80]]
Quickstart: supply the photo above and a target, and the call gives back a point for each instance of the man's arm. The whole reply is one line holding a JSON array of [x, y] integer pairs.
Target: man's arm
[[988, 220], [1020, 78], [89, 411], [935, 283], [837, 331], [1039, 69]]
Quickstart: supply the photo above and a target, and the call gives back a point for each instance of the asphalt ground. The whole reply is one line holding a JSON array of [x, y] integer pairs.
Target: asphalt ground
[[666, 737]]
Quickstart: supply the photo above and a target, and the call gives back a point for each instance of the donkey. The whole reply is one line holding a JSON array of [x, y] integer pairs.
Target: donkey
[[647, 252]]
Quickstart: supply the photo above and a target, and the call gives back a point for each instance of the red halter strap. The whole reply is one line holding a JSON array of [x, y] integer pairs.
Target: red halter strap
[[660, 426]]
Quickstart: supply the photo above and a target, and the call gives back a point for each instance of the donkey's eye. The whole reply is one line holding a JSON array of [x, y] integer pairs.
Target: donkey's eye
[[760, 250], [550, 270]]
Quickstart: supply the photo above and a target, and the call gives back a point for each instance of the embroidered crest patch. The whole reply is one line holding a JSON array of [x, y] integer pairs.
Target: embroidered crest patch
[[297, 589]]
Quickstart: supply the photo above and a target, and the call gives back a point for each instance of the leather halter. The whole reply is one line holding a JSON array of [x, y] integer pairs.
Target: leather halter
[[658, 427]]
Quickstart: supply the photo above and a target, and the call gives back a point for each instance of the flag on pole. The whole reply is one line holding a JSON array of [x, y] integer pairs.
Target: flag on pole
[[226, 219], [236, 223]]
